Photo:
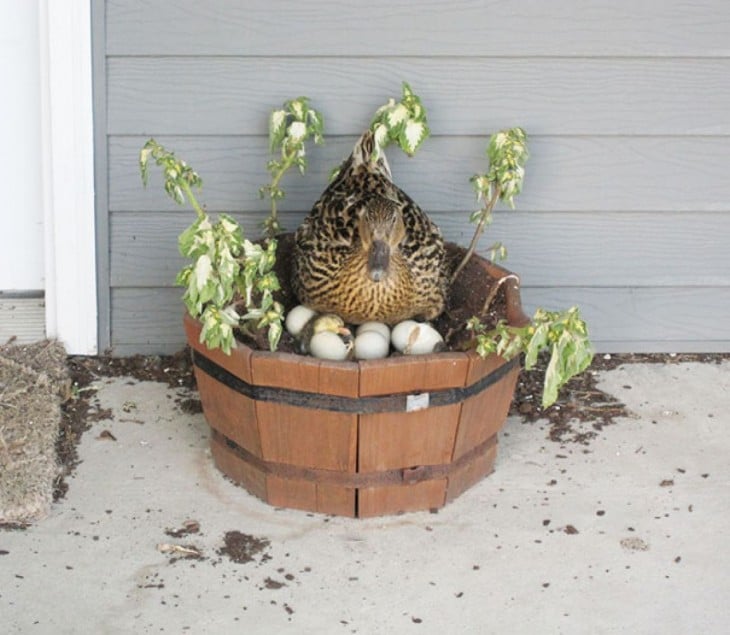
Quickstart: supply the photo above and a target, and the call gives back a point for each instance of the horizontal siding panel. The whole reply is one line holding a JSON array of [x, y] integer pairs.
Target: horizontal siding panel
[[147, 321], [601, 174], [635, 317], [22, 320], [228, 95], [605, 250], [461, 27], [620, 320]]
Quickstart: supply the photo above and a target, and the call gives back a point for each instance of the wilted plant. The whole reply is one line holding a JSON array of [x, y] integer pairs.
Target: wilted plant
[[289, 128], [227, 268]]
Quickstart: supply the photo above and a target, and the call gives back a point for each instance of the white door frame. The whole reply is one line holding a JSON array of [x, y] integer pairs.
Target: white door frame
[[68, 174]]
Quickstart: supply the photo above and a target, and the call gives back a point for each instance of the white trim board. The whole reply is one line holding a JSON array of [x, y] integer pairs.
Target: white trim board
[[68, 174]]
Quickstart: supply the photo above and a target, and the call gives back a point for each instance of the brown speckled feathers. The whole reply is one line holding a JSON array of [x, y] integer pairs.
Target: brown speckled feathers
[[367, 251]]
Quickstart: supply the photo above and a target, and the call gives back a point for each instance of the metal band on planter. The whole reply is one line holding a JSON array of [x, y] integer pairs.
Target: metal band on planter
[[356, 480], [354, 405]]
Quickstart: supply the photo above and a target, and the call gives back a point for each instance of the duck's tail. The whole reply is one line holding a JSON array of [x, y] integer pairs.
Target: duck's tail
[[365, 152]]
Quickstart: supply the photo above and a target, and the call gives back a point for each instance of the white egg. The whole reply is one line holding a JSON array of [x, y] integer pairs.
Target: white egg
[[378, 327], [427, 339], [328, 345], [371, 345], [297, 318], [401, 333], [414, 338]]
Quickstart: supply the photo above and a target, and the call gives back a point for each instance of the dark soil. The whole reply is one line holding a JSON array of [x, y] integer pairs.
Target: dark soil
[[580, 400], [242, 548]]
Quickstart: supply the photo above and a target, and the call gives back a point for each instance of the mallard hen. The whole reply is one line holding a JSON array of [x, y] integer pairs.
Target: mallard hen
[[367, 251]]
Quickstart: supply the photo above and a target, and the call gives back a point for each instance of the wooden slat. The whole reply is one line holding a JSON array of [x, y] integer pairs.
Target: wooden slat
[[546, 249], [556, 96], [483, 415], [308, 374], [416, 373], [471, 473], [394, 499], [671, 319], [576, 174], [310, 496], [402, 440], [229, 412], [308, 438], [228, 462], [303, 436], [460, 27]]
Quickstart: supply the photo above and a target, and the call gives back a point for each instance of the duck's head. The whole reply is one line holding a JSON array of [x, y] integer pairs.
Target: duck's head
[[381, 231]]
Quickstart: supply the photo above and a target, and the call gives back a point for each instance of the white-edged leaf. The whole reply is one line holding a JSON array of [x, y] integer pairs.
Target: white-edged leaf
[[297, 131], [297, 107], [397, 116], [277, 120], [414, 134], [203, 269], [552, 380], [385, 107]]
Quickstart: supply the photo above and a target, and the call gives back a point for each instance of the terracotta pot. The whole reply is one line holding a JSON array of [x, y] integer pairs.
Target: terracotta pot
[[361, 438]]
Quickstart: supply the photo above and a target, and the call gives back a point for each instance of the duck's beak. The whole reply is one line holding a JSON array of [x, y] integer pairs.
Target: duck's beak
[[378, 260]]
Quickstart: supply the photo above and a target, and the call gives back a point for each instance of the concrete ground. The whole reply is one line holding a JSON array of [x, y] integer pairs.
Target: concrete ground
[[627, 535]]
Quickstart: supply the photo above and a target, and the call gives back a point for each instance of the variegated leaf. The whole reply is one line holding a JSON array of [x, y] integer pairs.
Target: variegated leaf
[[414, 134], [397, 116], [203, 269], [277, 122]]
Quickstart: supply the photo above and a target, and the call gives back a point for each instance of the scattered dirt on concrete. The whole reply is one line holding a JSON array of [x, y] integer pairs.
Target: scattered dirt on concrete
[[81, 410], [580, 401], [243, 548], [188, 527]]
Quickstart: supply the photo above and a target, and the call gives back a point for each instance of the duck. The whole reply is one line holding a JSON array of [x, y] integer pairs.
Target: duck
[[367, 252]]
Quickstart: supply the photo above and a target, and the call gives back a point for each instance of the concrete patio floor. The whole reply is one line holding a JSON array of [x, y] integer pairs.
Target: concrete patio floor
[[626, 535]]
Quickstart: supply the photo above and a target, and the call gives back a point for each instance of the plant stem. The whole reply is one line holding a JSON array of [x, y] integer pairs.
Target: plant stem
[[288, 161], [477, 232], [193, 201]]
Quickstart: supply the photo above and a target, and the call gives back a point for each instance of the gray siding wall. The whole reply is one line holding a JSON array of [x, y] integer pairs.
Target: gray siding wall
[[626, 206]]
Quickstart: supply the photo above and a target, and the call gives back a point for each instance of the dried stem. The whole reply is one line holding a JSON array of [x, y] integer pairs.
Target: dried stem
[[495, 289], [477, 232]]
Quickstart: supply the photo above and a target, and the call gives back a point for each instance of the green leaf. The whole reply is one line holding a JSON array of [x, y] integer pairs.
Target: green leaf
[[274, 335], [413, 135], [203, 270], [476, 216], [552, 380], [398, 115], [277, 128], [144, 156]]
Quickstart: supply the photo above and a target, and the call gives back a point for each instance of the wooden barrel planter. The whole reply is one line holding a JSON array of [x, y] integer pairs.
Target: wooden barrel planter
[[356, 438]]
